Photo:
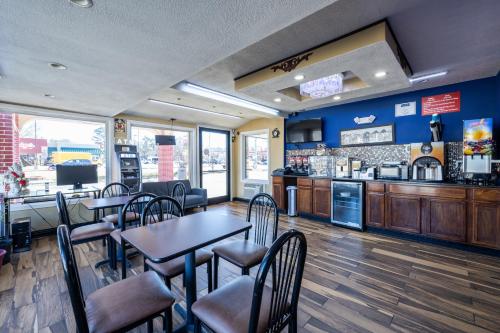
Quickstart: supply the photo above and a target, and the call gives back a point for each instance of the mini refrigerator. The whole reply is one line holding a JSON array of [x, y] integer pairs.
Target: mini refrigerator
[[347, 204]]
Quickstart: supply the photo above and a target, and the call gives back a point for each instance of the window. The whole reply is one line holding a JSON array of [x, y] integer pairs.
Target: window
[[161, 163], [255, 157], [39, 143]]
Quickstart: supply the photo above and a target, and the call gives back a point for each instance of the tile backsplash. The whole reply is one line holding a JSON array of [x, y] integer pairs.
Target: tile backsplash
[[376, 155]]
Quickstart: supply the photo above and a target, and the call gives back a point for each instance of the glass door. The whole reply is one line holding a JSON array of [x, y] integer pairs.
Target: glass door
[[215, 164]]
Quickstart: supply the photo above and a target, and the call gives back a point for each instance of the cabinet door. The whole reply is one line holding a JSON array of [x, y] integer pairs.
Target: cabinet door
[[485, 224], [375, 209], [322, 202], [403, 213], [444, 219], [304, 199], [278, 195]]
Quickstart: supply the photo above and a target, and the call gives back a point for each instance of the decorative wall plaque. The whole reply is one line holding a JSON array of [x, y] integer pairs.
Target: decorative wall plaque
[[290, 64]]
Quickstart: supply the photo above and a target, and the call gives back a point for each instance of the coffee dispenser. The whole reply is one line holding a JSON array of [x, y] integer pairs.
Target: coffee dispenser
[[427, 160]]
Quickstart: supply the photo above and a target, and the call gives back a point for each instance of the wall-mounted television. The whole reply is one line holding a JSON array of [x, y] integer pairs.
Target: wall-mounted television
[[308, 130]]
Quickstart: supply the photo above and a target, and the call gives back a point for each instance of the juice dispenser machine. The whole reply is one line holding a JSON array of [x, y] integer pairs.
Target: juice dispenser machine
[[478, 146]]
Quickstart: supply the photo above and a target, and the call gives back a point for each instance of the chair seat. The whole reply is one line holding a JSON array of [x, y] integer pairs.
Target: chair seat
[[176, 266], [242, 253], [91, 231], [129, 217], [227, 309], [118, 306]]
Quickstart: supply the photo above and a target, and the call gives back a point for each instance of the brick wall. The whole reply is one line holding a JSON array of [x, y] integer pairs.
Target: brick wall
[[165, 163], [9, 140]]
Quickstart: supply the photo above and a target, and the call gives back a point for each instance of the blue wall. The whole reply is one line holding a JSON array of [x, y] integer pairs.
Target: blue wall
[[479, 99]]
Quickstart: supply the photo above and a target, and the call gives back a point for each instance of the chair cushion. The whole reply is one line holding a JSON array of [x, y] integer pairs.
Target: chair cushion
[[193, 200], [175, 266], [91, 231], [242, 253], [126, 302], [227, 309], [129, 217]]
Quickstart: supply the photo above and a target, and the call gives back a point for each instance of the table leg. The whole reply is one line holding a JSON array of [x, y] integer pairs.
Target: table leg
[[190, 276]]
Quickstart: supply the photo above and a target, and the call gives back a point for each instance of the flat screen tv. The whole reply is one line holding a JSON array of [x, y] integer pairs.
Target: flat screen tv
[[309, 130]]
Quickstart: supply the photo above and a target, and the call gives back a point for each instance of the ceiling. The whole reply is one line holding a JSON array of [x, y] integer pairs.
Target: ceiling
[[119, 53]]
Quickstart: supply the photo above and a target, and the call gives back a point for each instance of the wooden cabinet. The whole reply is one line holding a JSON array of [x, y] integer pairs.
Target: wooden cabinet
[[279, 192], [403, 213], [322, 201], [485, 224], [375, 209], [304, 195], [445, 219]]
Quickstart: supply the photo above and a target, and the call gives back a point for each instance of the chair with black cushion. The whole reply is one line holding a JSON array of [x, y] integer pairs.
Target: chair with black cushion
[[246, 253], [118, 307], [250, 305], [134, 206], [179, 194], [116, 190], [86, 233], [163, 209]]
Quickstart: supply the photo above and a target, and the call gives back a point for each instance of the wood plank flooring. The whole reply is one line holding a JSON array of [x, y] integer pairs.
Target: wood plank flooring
[[353, 282]]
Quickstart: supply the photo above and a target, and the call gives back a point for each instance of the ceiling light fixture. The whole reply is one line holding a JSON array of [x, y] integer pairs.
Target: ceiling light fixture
[[82, 3], [380, 74], [428, 76], [336, 98], [215, 95], [193, 108], [277, 100], [323, 87], [299, 77], [57, 65]]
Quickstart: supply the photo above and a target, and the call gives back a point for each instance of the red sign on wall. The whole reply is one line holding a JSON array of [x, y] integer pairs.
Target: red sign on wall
[[444, 103]]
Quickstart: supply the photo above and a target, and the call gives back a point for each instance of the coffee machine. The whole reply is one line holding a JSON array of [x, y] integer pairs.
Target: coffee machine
[[343, 167], [427, 160]]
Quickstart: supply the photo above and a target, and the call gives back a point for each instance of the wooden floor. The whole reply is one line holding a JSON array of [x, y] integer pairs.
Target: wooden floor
[[353, 282]]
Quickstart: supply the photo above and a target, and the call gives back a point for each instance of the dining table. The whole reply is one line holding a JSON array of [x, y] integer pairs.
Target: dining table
[[167, 240]]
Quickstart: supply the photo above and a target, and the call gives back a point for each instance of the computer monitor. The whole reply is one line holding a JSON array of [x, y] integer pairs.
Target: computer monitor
[[76, 175]]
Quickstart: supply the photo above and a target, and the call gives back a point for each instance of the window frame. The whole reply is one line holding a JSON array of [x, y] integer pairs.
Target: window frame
[[243, 136]]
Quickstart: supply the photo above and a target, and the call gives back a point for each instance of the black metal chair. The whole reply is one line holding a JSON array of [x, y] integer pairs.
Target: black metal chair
[[115, 190], [250, 303], [179, 194], [108, 309], [134, 206], [245, 253], [86, 233], [163, 209]]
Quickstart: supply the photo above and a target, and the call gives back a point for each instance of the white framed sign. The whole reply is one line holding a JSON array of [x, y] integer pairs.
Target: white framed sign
[[405, 109]]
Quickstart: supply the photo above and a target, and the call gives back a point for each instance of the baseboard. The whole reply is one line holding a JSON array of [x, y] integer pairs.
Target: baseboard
[[241, 199]]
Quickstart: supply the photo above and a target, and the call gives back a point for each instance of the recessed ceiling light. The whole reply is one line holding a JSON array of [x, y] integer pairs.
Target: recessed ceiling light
[[277, 100], [82, 3], [299, 77], [423, 78], [336, 98], [380, 74], [49, 96], [215, 95], [57, 65], [193, 108]]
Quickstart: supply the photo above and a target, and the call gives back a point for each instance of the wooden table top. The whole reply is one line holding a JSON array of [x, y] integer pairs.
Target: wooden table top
[[110, 202], [167, 240]]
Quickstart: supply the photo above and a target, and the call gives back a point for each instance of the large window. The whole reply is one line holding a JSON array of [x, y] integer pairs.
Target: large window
[[40, 143], [255, 155], [161, 163]]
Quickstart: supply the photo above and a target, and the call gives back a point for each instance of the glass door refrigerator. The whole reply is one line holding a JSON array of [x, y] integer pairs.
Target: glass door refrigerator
[[347, 204]]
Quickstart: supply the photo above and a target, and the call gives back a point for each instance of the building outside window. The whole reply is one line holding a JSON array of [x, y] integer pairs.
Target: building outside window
[[255, 156], [161, 163], [40, 143]]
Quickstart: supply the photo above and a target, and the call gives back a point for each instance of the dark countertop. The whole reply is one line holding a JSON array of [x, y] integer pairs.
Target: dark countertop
[[402, 182]]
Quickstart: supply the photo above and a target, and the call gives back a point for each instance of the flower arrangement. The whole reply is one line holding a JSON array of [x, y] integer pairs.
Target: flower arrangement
[[15, 177]]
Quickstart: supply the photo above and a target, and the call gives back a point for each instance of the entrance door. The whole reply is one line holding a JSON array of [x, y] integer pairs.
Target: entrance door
[[215, 164]]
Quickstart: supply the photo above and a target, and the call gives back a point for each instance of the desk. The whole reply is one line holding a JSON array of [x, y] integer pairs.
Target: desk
[[164, 241]]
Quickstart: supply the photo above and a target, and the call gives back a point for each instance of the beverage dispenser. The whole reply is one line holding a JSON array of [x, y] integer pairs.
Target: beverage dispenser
[[478, 146], [427, 160]]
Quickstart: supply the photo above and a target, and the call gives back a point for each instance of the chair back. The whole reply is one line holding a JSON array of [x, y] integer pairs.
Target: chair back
[[179, 194], [286, 259], [72, 278], [136, 205], [264, 211], [113, 190], [62, 209], [161, 209]]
